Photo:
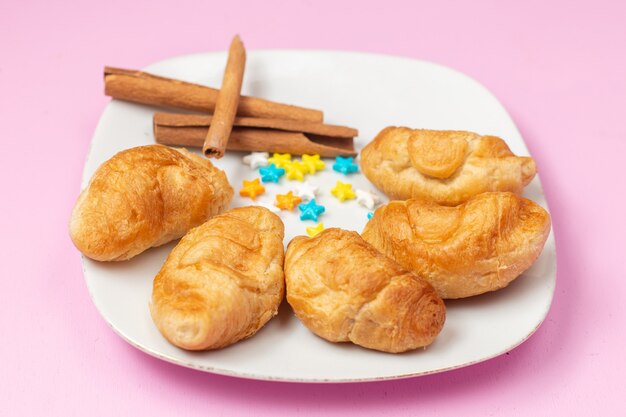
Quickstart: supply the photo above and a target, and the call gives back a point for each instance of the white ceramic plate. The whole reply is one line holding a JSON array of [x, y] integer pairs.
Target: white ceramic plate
[[368, 92]]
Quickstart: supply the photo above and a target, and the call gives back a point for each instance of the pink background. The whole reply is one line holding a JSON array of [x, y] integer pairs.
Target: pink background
[[560, 69]]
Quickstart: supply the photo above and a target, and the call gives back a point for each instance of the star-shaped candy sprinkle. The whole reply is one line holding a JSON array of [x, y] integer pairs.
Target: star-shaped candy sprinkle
[[251, 189], [310, 210], [345, 165], [280, 159], [306, 191], [343, 191], [313, 231], [271, 173], [367, 199], [256, 159], [370, 215], [313, 163], [295, 170], [287, 201]]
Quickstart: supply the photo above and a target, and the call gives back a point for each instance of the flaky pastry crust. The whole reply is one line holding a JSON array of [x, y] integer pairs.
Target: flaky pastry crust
[[222, 282], [144, 197], [447, 166], [479, 246], [343, 289]]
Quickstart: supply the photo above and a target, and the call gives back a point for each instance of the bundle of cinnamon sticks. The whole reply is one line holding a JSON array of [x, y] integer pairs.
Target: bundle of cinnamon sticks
[[240, 123]]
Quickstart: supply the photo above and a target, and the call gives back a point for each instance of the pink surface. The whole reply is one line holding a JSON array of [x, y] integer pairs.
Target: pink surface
[[560, 69]]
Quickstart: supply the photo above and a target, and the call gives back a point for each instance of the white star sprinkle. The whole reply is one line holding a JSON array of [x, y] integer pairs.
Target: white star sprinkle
[[256, 159], [306, 191], [367, 199]]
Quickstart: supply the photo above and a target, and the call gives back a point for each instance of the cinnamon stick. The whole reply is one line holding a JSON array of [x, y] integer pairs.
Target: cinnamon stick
[[259, 140], [145, 88], [227, 101], [201, 120]]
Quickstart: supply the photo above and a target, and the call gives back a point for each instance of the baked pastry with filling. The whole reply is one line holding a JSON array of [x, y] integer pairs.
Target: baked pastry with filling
[[344, 290], [144, 197], [446, 166], [477, 247], [222, 282]]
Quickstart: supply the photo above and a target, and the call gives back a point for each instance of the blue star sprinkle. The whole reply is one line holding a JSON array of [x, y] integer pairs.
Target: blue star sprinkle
[[271, 173], [345, 165], [310, 210], [369, 215]]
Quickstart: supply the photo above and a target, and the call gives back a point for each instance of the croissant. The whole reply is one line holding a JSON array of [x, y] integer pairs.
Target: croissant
[[343, 289], [222, 282], [462, 251], [144, 197], [446, 166]]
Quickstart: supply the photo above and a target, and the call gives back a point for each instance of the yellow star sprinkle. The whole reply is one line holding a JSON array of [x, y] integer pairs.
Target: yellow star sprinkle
[[343, 191], [314, 231], [295, 170], [280, 159], [313, 163], [251, 188], [287, 201]]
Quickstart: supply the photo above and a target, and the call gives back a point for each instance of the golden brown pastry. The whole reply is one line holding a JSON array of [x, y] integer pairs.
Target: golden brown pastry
[[446, 166], [470, 249], [343, 289], [222, 282], [144, 197]]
